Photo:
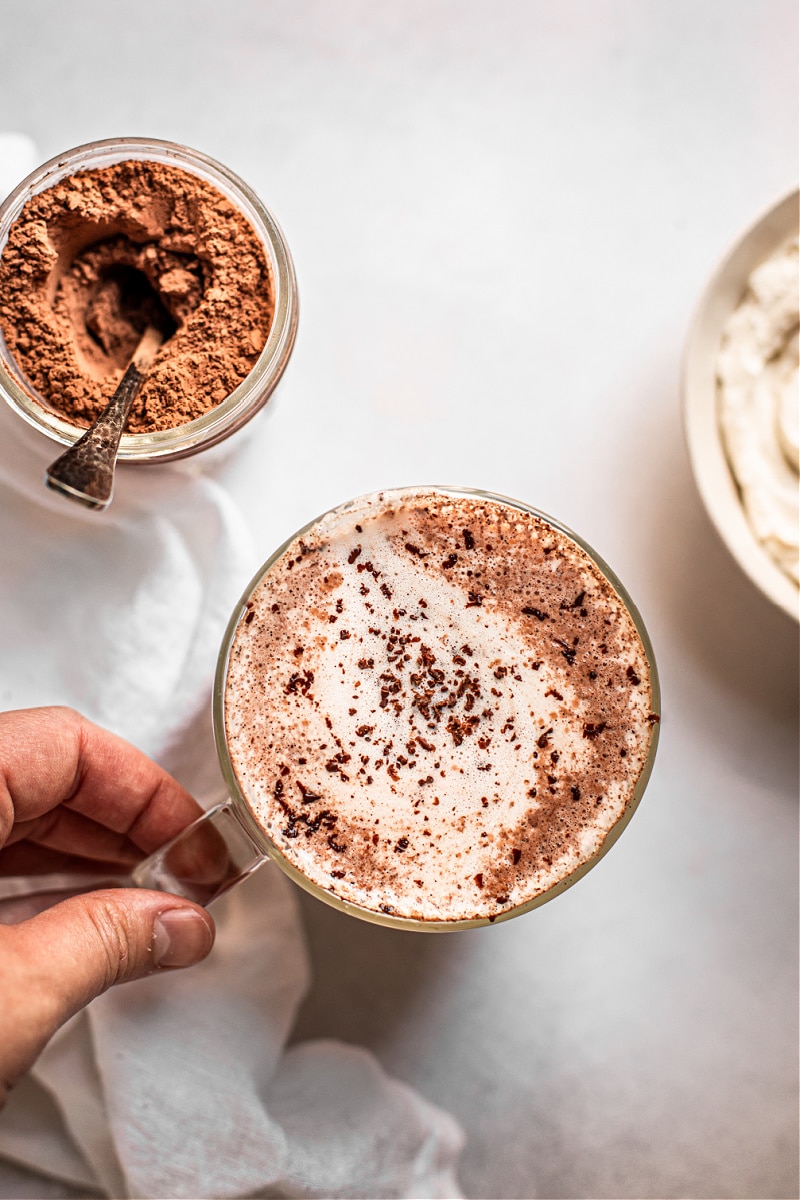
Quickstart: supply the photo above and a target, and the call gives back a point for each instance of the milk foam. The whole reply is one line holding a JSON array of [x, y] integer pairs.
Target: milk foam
[[437, 706]]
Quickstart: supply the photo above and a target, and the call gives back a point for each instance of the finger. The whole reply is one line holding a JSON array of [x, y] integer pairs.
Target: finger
[[58, 961], [14, 909], [53, 755], [28, 858], [73, 833]]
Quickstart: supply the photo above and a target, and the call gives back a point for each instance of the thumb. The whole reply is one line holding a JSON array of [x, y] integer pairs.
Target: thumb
[[58, 961]]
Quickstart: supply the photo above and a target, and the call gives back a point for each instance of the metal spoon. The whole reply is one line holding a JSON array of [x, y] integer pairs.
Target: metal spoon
[[85, 472]]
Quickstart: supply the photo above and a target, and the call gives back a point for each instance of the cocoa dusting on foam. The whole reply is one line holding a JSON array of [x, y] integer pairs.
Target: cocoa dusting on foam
[[438, 706], [93, 259]]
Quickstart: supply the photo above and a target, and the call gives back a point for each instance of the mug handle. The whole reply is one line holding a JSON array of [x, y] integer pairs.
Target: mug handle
[[204, 860]]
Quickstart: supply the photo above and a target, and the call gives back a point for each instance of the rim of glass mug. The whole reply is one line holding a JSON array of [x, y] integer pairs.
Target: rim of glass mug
[[268, 847], [253, 392]]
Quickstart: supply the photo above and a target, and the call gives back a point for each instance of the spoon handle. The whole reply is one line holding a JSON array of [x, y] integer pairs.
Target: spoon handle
[[85, 471]]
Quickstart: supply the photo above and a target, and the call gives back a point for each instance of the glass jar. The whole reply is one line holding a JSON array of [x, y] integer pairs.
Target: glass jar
[[253, 392]]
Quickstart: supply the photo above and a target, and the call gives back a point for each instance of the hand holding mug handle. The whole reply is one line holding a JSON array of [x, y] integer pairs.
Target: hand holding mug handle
[[76, 799]]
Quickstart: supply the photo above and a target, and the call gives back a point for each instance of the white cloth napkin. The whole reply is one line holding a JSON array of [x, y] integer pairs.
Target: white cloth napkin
[[178, 1086]]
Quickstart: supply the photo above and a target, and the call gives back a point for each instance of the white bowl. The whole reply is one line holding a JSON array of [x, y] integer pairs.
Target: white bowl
[[712, 473]]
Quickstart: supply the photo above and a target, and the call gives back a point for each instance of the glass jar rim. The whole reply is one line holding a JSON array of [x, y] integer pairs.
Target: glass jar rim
[[271, 850], [255, 389]]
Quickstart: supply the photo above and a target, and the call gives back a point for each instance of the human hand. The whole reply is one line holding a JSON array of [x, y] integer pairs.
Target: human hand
[[74, 797]]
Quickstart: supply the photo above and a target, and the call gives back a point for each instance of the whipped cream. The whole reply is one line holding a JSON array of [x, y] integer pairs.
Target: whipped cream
[[757, 384]]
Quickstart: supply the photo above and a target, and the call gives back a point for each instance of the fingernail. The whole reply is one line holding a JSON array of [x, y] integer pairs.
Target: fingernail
[[181, 937]]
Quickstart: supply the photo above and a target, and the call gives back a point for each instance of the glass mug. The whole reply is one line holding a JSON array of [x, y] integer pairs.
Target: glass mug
[[228, 842]]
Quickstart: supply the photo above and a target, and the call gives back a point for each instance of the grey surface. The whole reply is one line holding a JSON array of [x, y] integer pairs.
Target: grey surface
[[502, 217]]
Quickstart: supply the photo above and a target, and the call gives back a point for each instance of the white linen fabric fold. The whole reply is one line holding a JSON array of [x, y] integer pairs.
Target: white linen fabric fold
[[119, 613], [181, 1085]]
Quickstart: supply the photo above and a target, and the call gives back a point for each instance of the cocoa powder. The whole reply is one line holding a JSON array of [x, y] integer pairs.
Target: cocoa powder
[[91, 261]]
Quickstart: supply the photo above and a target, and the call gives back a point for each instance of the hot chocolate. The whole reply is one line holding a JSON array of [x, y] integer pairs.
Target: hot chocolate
[[437, 706]]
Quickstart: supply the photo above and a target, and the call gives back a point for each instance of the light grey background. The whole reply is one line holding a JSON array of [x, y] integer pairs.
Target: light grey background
[[502, 215]]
